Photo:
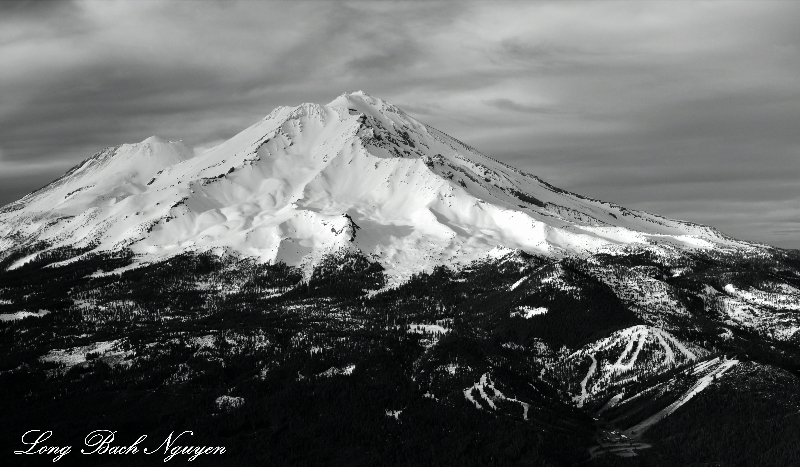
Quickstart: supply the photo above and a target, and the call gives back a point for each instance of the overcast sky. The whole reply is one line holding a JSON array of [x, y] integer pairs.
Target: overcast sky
[[685, 109]]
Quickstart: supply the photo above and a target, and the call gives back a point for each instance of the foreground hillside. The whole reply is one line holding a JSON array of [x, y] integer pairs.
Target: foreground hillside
[[515, 360]]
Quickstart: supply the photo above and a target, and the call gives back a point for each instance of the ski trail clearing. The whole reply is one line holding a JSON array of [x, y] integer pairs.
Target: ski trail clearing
[[669, 358], [689, 354], [589, 374], [702, 383]]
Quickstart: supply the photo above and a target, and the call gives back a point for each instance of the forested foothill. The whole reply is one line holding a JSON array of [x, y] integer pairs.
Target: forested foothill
[[507, 361]]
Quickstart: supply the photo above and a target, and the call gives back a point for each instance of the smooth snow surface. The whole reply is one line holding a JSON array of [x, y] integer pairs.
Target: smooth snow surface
[[357, 173]]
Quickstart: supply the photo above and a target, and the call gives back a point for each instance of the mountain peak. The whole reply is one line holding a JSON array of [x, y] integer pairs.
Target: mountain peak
[[356, 94], [360, 101], [277, 191], [154, 139]]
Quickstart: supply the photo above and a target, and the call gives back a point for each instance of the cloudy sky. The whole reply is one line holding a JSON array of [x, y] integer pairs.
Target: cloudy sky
[[685, 109]]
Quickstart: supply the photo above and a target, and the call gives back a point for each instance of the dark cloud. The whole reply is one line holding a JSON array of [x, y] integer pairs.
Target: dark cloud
[[685, 109], [34, 8], [389, 53]]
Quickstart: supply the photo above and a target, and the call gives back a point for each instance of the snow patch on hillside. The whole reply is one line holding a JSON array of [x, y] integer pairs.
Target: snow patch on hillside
[[109, 351], [427, 329], [334, 371], [770, 314], [227, 403], [517, 284], [780, 301], [22, 314], [528, 312]]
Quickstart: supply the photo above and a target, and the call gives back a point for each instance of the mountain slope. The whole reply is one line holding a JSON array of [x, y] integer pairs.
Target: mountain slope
[[357, 173]]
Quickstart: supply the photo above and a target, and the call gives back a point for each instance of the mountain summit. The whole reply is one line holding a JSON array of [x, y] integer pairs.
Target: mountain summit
[[357, 174]]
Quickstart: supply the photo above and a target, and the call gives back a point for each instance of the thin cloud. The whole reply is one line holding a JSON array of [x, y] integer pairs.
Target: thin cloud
[[508, 104]]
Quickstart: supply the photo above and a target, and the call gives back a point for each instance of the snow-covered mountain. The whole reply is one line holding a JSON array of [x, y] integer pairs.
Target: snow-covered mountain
[[357, 173], [260, 287]]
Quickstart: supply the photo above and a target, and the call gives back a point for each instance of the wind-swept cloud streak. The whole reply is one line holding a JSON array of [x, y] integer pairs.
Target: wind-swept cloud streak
[[686, 109]]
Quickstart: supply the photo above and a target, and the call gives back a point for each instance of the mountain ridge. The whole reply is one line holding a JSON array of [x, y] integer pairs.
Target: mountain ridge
[[277, 191]]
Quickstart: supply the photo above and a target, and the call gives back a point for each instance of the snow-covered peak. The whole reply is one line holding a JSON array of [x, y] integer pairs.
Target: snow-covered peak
[[351, 97], [357, 173], [154, 139], [360, 102], [125, 168]]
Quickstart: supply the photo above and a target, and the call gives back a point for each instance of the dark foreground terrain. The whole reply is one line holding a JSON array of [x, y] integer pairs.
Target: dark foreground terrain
[[454, 367]]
